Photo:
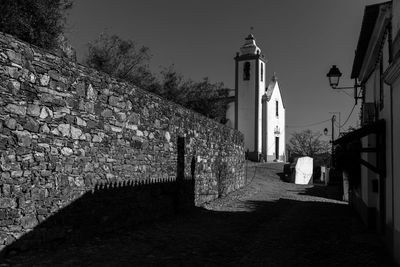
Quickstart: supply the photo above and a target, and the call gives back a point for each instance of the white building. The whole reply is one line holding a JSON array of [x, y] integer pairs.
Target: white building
[[375, 185], [256, 110]]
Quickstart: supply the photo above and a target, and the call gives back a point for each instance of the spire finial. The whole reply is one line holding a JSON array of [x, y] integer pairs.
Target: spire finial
[[274, 77], [250, 36]]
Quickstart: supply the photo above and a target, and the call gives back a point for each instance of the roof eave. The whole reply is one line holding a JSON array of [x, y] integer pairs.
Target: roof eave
[[375, 19]]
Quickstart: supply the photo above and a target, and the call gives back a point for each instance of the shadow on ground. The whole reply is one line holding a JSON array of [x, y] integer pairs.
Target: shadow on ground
[[106, 209], [277, 233], [334, 191]]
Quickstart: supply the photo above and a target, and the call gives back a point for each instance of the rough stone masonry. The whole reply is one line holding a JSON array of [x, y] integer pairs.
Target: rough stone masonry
[[65, 129]]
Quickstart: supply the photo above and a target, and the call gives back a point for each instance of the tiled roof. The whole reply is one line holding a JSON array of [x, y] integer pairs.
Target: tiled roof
[[371, 13]]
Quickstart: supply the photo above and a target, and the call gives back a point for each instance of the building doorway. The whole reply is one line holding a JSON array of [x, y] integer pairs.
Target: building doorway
[[181, 159], [277, 148]]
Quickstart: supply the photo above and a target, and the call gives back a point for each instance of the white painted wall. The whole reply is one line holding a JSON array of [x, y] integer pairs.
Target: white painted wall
[[230, 115], [246, 104], [274, 121], [260, 94]]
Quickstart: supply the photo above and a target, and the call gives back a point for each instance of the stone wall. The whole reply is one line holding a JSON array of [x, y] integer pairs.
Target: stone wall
[[66, 129]]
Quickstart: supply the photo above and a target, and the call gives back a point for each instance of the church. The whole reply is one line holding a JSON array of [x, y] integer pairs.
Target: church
[[256, 109]]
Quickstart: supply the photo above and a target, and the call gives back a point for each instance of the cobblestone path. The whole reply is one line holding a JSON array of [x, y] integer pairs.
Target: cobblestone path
[[268, 223]]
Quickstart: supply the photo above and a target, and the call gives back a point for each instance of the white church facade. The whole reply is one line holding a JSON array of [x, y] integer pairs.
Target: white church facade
[[257, 109]]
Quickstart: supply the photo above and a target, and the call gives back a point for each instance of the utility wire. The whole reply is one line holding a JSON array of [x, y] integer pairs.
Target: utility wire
[[351, 112], [307, 125], [320, 122], [343, 91]]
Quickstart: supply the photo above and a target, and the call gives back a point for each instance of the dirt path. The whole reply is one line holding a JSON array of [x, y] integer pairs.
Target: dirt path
[[268, 223]]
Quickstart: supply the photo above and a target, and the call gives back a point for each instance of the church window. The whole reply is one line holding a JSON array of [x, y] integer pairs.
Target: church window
[[381, 84], [276, 108], [246, 71], [262, 71]]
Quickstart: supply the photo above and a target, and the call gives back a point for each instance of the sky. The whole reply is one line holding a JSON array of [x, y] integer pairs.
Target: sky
[[300, 39]]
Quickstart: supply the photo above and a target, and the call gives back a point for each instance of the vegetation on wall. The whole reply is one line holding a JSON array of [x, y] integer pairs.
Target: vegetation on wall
[[126, 60], [122, 59], [39, 22], [42, 22]]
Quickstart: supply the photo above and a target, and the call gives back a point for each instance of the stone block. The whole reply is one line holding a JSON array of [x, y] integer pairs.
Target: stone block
[[75, 132], [134, 118], [6, 188], [29, 221], [80, 89], [14, 56], [66, 151], [14, 86], [13, 72], [16, 109], [16, 174], [91, 93], [113, 101], [89, 107], [24, 138], [44, 128], [57, 76], [167, 136], [46, 112], [33, 110], [80, 122], [44, 80], [107, 113], [65, 129], [32, 125], [6, 202], [11, 123], [115, 129]]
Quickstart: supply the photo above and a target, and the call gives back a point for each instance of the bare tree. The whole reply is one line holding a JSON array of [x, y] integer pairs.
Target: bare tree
[[308, 143]]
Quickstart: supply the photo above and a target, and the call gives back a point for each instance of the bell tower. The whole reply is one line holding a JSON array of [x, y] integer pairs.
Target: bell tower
[[250, 68]]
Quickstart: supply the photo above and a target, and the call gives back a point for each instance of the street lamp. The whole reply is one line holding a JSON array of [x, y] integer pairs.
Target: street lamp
[[333, 119], [334, 75]]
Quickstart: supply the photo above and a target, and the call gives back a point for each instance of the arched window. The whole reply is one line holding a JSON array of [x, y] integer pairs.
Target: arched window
[[262, 71], [246, 71]]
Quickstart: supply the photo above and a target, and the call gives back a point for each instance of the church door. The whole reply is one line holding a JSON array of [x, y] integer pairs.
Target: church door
[[276, 148]]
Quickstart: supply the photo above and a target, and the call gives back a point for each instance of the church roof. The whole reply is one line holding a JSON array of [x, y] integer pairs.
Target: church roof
[[270, 89], [271, 86]]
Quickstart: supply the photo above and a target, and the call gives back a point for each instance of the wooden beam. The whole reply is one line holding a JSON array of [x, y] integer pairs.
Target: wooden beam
[[370, 166], [368, 149]]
